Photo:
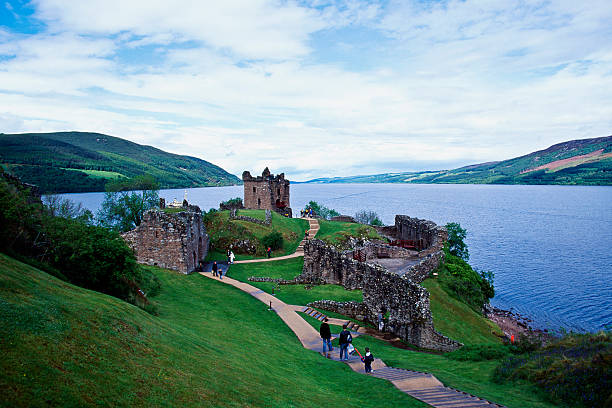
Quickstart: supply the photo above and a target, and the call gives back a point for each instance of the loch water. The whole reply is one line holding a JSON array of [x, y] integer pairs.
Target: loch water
[[550, 247]]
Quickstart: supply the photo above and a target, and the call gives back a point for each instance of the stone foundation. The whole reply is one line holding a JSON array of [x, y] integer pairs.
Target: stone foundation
[[175, 241]]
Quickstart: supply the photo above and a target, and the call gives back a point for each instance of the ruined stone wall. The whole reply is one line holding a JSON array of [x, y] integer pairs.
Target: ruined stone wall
[[175, 241], [343, 218], [355, 310], [265, 191], [415, 229], [379, 250], [406, 301]]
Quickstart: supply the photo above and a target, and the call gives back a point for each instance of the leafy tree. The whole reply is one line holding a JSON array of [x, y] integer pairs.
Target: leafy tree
[[368, 217], [273, 240], [322, 211], [58, 206], [20, 215], [456, 244], [92, 257], [126, 201]]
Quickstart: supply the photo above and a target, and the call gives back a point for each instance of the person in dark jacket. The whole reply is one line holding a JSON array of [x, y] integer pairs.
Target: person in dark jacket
[[325, 333], [368, 359], [269, 252], [215, 268], [344, 339]]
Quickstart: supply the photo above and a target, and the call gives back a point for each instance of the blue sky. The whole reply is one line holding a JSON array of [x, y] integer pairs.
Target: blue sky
[[312, 88]]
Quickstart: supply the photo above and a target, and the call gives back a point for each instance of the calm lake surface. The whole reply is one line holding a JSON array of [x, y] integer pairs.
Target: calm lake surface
[[549, 246]]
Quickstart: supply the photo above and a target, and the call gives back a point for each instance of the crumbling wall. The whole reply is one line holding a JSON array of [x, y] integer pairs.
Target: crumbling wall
[[431, 235], [175, 241], [406, 301]]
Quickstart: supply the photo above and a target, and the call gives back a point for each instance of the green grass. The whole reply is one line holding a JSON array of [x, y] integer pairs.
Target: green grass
[[457, 320], [211, 345], [291, 294], [100, 173], [337, 233], [224, 231], [475, 377]]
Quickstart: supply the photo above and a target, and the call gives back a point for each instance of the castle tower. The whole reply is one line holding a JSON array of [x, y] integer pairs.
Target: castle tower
[[267, 192]]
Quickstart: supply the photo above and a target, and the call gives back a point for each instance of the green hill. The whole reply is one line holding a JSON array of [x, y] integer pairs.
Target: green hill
[[79, 161], [584, 162], [212, 345]]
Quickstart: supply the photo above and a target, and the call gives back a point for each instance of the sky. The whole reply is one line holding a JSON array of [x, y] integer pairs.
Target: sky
[[312, 88]]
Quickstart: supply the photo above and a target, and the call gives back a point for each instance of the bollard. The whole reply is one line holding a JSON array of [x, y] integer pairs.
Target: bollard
[[270, 306]]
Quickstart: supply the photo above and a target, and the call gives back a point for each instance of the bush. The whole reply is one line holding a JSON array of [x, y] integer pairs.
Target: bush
[[462, 282], [91, 257], [575, 369], [368, 217], [321, 210], [273, 240]]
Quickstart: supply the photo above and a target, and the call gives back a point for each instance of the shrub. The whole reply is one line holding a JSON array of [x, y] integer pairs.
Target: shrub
[[273, 240], [91, 257], [575, 369], [368, 217], [462, 282], [322, 211]]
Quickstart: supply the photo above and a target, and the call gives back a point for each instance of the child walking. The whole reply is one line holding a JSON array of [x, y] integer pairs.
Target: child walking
[[367, 359]]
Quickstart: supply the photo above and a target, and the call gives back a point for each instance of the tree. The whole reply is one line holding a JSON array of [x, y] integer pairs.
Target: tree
[[368, 217], [322, 211], [58, 206], [126, 201], [456, 245]]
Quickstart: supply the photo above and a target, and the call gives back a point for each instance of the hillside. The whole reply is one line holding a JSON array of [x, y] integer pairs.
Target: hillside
[[78, 162], [584, 162], [211, 345]]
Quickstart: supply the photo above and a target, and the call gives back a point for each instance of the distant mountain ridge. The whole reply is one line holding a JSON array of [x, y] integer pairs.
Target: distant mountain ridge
[[580, 162], [66, 162]]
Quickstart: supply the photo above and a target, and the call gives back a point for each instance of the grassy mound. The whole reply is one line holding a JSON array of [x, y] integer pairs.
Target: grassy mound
[[211, 345], [337, 233], [225, 231], [291, 294]]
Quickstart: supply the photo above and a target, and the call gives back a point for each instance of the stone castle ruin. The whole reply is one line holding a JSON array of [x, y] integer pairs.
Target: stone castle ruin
[[175, 241], [267, 192], [389, 276]]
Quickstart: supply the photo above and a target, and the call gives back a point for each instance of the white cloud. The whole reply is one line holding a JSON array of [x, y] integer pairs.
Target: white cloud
[[245, 85]]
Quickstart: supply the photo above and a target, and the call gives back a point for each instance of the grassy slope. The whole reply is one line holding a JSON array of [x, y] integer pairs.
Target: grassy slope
[[80, 161], [457, 320], [451, 318], [212, 345], [336, 233], [221, 228], [291, 294]]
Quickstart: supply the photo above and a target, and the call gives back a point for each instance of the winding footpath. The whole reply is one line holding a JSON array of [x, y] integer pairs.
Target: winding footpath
[[422, 386]]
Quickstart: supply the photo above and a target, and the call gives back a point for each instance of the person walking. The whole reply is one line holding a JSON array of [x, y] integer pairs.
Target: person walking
[[344, 340], [368, 359], [215, 268], [229, 251], [269, 252], [231, 257], [325, 333]]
